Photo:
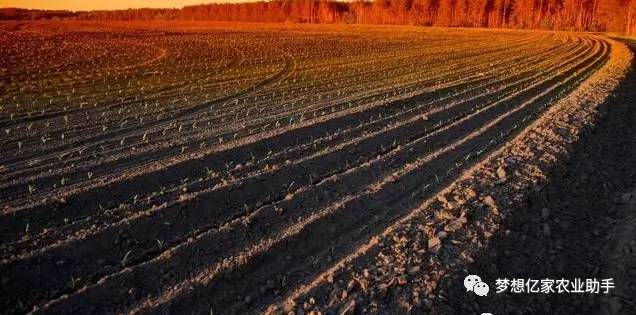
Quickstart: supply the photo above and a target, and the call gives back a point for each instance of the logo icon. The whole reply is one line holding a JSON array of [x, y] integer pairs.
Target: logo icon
[[473, 283]]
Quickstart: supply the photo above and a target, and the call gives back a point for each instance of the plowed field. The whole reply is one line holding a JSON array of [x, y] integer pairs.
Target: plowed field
[[147, 169]]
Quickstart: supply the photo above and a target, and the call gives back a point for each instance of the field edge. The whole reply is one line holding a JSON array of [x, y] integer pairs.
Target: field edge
[[487, 192]]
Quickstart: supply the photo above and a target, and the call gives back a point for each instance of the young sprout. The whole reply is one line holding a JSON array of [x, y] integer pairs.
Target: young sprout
[[126, 258], [74, 281]]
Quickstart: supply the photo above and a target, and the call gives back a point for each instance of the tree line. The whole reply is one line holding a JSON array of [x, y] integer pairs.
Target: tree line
[[582, 15]]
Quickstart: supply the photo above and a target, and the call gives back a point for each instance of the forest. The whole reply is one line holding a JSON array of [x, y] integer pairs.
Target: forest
[[582, 15]]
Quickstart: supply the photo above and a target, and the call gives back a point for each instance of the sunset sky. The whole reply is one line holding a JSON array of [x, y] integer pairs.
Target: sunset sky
[[101, 5]]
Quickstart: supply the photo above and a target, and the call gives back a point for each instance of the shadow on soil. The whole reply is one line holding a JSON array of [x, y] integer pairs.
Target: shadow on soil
[[565, 229]]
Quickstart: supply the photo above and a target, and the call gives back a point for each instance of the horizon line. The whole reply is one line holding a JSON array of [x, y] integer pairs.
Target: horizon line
[[46, 5]]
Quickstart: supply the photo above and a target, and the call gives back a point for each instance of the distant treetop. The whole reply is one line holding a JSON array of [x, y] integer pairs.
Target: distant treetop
[[585, 15]]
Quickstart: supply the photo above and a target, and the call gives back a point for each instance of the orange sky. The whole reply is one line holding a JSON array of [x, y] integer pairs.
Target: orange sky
[[101, 5]]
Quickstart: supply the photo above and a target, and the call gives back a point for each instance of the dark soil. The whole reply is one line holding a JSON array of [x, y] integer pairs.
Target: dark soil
[[580, 225]]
